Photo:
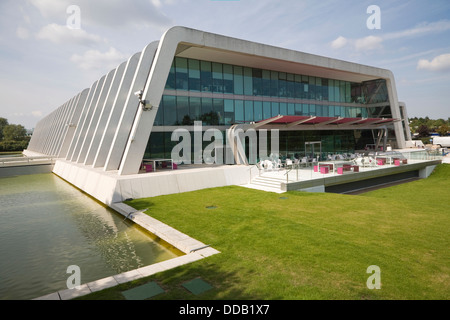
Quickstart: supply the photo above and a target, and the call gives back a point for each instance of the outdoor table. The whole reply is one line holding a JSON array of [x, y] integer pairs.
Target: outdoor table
[[154, 161]]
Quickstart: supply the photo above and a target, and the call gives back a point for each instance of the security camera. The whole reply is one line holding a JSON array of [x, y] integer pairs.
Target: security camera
[[138, 93]]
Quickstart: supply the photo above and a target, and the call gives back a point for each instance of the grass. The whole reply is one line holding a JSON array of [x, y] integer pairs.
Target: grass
[[310, 245]]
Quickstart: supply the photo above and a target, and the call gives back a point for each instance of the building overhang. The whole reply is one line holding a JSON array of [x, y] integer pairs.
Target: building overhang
[[322, 123]]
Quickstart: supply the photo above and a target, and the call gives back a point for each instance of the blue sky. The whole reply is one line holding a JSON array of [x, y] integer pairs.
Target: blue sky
[[43, 63]]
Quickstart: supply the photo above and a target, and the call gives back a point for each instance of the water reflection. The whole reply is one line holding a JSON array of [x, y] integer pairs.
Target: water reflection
[[47, 225]]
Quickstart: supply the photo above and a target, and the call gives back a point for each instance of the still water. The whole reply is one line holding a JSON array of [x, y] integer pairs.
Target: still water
[[47, 225]]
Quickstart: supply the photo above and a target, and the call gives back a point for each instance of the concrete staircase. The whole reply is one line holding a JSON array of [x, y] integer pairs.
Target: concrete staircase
[[266, 183]]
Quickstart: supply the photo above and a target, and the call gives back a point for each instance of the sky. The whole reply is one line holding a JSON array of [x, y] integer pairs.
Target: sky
[[50, 50]]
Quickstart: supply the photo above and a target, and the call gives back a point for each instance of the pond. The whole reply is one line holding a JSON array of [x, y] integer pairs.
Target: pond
[[47, 225]]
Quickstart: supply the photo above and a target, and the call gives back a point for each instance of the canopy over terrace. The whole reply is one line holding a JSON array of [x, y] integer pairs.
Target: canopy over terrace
[[322, 123], [293, 123]]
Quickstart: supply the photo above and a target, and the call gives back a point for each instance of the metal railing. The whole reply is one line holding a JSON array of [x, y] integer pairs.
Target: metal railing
[[26, 160]]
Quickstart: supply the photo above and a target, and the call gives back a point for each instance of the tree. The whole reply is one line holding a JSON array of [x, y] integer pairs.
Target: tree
[[423, 131], [3, 124], [443, 129], [14, 132]]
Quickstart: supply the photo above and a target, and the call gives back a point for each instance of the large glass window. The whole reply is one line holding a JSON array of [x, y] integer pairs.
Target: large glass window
[[228, 84], [238, 80], [229, 111], [283, 108], [194, 75], [274, 84], [219, 112], [207, 111], [266, 83], [291, 109], [258, 110], [170, 110], [217, 75], [267, 110], [257, 82], [195, 108], [248, 82], [249, 111], [183, 117], [181, 73], [239, 111], [206, 76], [290, 86], [171, 80]]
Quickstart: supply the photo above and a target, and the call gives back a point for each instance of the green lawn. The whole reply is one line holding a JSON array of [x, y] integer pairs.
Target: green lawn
[[310, 245]]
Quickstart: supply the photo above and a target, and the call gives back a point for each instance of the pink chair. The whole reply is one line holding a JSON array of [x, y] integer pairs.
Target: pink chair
[[148, 167]]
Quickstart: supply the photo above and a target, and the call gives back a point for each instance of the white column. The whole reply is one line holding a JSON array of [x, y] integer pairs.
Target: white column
[[104, 116], [71, 123], [85, 108], [130, 107], [96, 112], [87, 118]]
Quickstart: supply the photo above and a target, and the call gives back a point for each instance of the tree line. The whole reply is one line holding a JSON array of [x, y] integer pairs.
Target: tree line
[[13, 137], [424, 127]]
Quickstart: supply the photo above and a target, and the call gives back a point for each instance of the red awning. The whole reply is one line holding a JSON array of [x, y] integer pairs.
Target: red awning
[[325, 122]]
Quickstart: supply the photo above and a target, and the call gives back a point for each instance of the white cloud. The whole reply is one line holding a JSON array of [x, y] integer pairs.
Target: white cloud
[[421, 29], [340, 42], [62, 34], [368, 43], [22, 33], [96, 60], [440, 63], [109, 13], [37, 113]]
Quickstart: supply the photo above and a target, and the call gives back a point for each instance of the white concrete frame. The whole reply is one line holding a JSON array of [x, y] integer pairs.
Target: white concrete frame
[[106, 127]]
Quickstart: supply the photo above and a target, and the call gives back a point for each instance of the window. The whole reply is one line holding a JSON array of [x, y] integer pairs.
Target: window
[[206, 76], [291, 109], [283, 108], [275, 109], [258, 110], [267, 112], [239, 111], [183, 117], [207, 111], [194, 75], [229, 111], [181, 73], [299, 109], [266, 83], [274, 84], [171, 80], [248, 82], [249, 116], [195, 108], [217, 76], [238, 80], [170, 110], [257, 82], [228, 83], [218, 112]]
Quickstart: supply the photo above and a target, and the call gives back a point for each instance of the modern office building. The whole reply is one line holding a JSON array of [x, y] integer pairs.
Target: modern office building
[[193, 77]]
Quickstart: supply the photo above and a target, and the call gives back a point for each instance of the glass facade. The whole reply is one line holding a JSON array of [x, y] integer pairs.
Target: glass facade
[[220, 94], [257, 94]]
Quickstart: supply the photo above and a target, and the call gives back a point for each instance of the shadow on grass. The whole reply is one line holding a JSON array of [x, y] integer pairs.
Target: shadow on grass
[[171, 281]]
